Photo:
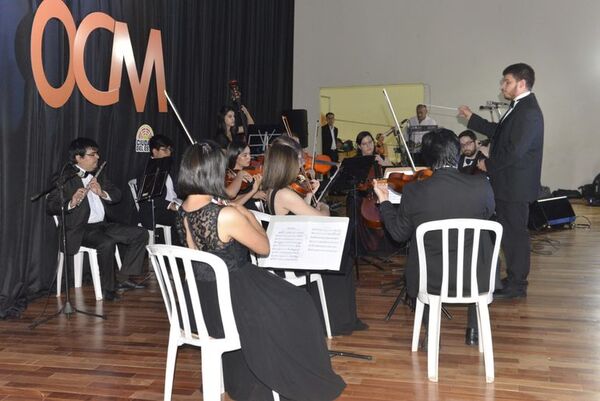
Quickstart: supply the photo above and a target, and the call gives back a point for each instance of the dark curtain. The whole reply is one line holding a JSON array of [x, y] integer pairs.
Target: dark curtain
[[205, 44]]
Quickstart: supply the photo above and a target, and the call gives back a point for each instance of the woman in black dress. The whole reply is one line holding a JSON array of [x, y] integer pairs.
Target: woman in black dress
[[282, 343], [242, 187], [282, 165], [369, 239], [226, 129]]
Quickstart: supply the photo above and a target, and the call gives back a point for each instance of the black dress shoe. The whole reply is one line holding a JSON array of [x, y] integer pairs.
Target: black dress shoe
[[360, 325], [510, 292], [109, 295], [471, 337], [129, 285]]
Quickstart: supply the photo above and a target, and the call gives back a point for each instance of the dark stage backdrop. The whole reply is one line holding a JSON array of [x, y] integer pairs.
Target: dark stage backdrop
[[205, 44]]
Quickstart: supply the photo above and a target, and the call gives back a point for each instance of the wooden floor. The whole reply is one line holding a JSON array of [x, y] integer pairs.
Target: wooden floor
[[547, 346]]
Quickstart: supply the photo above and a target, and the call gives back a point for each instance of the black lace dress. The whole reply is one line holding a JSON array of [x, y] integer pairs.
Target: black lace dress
[[283, 347]]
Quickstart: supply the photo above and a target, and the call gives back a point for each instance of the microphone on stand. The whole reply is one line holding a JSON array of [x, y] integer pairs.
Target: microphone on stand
[[496, 104]]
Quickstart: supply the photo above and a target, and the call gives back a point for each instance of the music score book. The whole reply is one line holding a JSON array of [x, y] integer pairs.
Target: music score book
[[305, 242]]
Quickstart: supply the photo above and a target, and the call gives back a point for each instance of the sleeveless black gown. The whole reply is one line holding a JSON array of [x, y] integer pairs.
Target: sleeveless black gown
[[340, 289], [282, 343]]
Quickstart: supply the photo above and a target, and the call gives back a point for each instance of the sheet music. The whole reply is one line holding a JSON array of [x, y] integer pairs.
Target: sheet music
[[305, 242]]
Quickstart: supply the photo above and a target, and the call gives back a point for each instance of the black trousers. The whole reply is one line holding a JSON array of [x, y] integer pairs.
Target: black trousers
[[515, 240], [104, 237]]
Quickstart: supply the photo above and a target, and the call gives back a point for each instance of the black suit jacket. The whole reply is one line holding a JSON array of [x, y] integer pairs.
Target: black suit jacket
[[77, 218], [326, 138], [516, 146], [448, 194]]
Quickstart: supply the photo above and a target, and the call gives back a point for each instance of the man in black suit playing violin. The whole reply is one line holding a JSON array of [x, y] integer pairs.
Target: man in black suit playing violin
[[85, 197], [514, 167], [469, 153]]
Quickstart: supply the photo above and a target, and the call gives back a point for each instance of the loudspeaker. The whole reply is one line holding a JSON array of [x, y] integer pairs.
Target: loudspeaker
[[298, 120], [551, 212]]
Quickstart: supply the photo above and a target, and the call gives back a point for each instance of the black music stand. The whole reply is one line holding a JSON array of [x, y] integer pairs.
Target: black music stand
[[412, 145], [153, 183]]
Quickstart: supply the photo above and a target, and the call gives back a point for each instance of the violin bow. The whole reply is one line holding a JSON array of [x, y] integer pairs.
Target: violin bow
[[179, 118], [412, 163]]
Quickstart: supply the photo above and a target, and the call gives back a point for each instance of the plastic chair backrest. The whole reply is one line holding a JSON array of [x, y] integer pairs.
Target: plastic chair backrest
[[460, 225], [164, 261]]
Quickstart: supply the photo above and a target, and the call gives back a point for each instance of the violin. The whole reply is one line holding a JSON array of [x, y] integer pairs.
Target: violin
[[397, 180], [301, 185]]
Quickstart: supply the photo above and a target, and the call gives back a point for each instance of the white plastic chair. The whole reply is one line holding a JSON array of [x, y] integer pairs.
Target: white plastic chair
[[78, 267], [164, 261], [166, 229], [298, 281], [435, 301]]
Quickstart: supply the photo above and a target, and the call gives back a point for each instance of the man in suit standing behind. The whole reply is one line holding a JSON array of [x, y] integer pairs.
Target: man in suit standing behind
[[329, 134], [85, 196], [514, 167]]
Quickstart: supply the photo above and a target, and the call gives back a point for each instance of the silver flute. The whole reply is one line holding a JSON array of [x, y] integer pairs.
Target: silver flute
[[87, 187]]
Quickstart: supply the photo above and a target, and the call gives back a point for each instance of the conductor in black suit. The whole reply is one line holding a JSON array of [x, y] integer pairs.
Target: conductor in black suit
[[464, 196], [329, 134], [514, 167], [86, 224]]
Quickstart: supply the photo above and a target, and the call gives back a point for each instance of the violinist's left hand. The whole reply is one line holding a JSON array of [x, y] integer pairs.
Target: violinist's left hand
[[381, 190]]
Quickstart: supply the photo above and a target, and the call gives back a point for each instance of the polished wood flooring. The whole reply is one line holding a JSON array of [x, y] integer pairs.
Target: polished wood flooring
[[547, 346]]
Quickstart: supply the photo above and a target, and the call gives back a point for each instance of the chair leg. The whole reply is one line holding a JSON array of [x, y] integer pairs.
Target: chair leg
[[167, 235], [78, 268], [319, 281], [211, 372], [95, 270], [486, 336], [433, 340], [417, 325], [480, 342], [151, 237], [170, 369], [118, 257], [59, 272]]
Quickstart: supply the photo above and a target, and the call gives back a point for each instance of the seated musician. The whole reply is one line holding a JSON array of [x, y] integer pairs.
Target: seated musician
[[85, 196], [242, 187], [369, 239], [470, 153], [282, 165], [282, 343], [165, 206], [464, 196]]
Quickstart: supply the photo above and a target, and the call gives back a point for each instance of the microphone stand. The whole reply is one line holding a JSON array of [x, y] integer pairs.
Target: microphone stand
[[67, 308]]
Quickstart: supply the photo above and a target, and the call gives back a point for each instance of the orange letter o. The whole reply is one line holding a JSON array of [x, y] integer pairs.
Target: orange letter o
[[47, 10]]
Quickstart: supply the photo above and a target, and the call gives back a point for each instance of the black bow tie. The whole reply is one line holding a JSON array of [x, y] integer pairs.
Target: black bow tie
[[83, 174]]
